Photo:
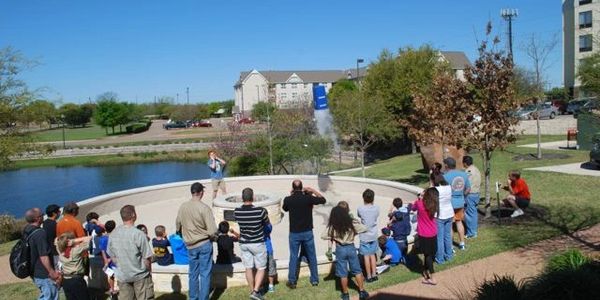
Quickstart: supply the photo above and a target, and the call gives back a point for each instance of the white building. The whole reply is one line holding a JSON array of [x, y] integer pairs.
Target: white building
[[580, 27], [289, 88]]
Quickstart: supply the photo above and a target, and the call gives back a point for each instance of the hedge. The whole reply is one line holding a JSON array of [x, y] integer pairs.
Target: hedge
[[138, 127]]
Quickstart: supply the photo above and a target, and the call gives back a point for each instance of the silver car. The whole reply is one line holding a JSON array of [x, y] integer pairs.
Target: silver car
[[545, 110]]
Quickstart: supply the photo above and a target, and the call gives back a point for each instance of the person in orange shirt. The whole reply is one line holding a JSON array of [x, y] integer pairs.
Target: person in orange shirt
[[69, 222], [519, 197]]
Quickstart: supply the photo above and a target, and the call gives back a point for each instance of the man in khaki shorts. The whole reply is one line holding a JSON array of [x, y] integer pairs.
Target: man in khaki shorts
[[216, 166]]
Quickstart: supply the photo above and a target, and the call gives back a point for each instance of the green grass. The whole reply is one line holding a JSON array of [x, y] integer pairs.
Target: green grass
[[565, 203], [111, 160], [5, 249], [72, 134]]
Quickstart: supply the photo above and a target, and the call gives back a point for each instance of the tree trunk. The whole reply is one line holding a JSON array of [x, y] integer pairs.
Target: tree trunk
[[113, 130], [362, 161], [539, 137], [487, 172]]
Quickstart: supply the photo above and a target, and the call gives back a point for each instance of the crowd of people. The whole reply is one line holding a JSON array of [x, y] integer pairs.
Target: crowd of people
[[118, 258]]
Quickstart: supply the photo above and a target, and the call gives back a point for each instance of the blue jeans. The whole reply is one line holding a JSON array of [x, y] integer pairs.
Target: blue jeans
[[444, 240], [307, 240], [200, 271], [471, 214], [346, 258], [47, 287]]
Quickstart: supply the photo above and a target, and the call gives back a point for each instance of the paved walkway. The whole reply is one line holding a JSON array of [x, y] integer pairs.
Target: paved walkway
[[520, 263], [584, 168], [559, 145], [6, 276]]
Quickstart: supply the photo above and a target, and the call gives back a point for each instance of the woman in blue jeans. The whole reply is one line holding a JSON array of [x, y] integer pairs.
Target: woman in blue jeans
[[342, 231], [444, 218]]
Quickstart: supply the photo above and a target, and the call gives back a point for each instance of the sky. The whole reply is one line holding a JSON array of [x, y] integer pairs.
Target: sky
[[151, 48]]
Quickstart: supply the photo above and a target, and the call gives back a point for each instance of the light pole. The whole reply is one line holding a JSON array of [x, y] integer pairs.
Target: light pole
[[62, 118]]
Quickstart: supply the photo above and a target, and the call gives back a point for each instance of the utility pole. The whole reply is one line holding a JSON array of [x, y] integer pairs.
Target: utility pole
[[187, 92], [177, 98], [509, 14]]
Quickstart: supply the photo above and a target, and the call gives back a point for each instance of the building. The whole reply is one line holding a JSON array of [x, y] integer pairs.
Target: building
[[288, 89], [580, 26]]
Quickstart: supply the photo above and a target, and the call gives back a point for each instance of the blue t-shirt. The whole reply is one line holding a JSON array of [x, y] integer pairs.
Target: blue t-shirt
[[217, 172], [103, 245], [391, 248], [268, 229], [161, 252], [459, 182]]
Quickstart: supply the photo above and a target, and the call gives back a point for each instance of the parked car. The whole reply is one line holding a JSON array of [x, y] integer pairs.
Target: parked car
[[595, 153], [246, 121], [590, 105], [203, 123], [544, 110], [575, 105], [175, 124], [561, 105]]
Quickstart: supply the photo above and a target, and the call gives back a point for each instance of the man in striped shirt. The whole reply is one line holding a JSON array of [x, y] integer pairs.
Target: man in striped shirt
[[252, 221]]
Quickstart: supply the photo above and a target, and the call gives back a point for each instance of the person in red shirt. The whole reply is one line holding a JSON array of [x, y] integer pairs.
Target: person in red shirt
[[69, 222], [519, 197]]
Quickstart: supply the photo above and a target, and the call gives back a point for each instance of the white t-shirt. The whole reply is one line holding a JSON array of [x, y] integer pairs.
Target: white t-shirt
[[446, 210]]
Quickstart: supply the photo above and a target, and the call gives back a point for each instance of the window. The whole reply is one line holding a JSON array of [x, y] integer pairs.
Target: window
[[306, 85], [294, 95], [583, 2], [283, 96], [585, 19], [294, 85], [585, 43], [282, 85]]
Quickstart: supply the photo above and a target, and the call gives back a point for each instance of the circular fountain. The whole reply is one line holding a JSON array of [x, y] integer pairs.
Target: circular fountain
[[159, 204], [223, 206]]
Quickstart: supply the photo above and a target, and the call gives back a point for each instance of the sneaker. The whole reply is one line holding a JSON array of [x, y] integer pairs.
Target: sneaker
[[382, 268], [453, 251], [375, 278], [345, 296], [363, 295], [329, 255], [369, 280], [462, 247], [256, 296], [516, 213], [468, 237], [271, 289], [291, 285], [314, 283]]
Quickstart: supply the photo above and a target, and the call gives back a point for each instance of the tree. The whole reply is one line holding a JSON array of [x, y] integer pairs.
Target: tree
[[75, 115], [441, 115], [42, 111], [589, 73], [261, 110], [362, 119], [107, 112], [538, 51], [490, 81], [14, 97], [557, 93]]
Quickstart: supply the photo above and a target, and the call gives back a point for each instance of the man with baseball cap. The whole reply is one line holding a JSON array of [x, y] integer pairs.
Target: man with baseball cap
[[197, 225]]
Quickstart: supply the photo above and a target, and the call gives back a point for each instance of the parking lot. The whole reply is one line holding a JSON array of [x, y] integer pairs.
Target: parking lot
[[558, 125]]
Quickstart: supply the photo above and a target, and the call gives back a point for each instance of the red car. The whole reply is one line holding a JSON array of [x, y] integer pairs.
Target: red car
[[246, 121]]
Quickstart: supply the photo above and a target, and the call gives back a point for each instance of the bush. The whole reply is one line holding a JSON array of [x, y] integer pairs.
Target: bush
[[580, 283], [568, 260], [10, 228], [137, 127], [499, 288]]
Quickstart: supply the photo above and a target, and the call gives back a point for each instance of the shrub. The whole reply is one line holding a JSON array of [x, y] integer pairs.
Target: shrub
[[10, 228], [499, 288], [568, 260], [580, 283], [137, 127]]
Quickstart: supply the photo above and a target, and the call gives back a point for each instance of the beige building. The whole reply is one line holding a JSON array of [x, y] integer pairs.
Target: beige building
[[288, 89], [580, 27]]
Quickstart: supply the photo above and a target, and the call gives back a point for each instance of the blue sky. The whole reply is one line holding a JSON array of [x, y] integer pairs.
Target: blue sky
[[142, 49]]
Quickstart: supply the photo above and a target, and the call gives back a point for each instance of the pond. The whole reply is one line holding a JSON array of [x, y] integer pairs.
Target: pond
[[39, 187]]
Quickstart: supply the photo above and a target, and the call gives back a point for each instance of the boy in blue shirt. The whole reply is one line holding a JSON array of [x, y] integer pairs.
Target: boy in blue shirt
[[460, 184], [400, 226], [216, 166], [271, 265], [391, 253]]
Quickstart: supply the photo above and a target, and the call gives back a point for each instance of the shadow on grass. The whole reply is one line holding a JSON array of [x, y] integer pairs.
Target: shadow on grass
[[176, 287]]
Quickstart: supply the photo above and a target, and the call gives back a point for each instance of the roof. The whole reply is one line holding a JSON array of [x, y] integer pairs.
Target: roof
[[457, 59], [306, 76]]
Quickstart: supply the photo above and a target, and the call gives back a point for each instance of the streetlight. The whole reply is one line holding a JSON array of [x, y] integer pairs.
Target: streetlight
[[358, 61], [62, 118]]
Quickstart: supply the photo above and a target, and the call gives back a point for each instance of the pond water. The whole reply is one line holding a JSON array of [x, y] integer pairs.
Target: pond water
[[39, 187]]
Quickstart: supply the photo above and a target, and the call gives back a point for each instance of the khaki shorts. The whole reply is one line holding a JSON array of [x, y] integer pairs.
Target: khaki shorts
[[217, 183], [141, 289], [459, 214], [254, 255]]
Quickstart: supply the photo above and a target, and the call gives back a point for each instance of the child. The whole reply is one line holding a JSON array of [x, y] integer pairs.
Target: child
[[160, 246], [391, 253], [368, 214], [342, 230], [109, 265], [227, 236], [92, 223], [427, 208], [144, 229], [271, 265], [345, 206], [400, 224]]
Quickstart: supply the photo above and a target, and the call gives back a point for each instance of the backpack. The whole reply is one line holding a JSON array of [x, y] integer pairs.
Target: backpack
[[20, 257]]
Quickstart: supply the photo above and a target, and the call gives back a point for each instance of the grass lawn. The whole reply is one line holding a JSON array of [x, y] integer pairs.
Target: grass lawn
[[92, 131], [565, 202], [5, 249]]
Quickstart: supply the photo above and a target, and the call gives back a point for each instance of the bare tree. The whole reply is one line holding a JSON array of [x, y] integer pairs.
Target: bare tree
[[538, 51]]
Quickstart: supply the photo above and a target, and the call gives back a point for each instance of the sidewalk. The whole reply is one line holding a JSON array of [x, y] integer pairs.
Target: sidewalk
[[520, 263]]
